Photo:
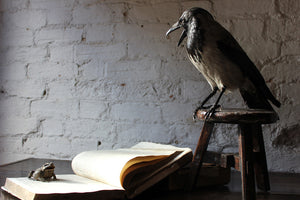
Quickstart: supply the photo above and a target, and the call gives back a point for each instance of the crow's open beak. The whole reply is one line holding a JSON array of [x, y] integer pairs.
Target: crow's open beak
[[175, 27], [183, 35]]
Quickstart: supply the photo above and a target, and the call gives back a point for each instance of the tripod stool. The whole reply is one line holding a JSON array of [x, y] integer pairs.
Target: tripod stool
[[252, 156]]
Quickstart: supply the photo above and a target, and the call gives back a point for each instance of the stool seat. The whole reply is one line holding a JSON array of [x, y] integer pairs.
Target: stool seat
[[252, 155], [238, 116]]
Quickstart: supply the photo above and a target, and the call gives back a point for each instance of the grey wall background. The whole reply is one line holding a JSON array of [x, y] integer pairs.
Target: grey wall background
[[85, 74]]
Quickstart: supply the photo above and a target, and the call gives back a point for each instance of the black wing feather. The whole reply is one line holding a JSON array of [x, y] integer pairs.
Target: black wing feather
[[232, 50]]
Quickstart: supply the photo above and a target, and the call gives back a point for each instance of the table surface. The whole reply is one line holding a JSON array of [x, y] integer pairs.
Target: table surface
[[283, 186]]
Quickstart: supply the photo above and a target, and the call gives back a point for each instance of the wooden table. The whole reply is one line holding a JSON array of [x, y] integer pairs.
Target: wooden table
[[283, 186]]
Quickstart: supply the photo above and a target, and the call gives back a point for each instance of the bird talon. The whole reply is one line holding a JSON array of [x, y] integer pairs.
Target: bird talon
[[211, 111], [207, 115], [197, 109], [195, 114], [194, 117]]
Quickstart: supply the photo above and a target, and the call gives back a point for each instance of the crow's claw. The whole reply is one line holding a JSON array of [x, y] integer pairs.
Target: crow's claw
[[195, 112], [194, 116], [202, 107], [211, 111]]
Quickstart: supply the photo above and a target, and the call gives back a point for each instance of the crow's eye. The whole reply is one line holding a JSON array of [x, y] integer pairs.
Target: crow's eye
[[182, 21]]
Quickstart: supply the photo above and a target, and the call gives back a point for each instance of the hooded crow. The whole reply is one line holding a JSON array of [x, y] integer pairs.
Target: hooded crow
[[222, 61]]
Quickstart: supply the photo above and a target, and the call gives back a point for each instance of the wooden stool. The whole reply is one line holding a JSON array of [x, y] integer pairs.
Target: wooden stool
[[252, 155]]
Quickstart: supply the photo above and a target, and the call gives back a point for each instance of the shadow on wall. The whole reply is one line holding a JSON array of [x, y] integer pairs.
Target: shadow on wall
[[289, 137]]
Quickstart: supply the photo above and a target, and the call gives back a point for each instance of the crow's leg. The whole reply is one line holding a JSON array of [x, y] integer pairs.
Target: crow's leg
[[213, 108], [208, 98], [204, 102]]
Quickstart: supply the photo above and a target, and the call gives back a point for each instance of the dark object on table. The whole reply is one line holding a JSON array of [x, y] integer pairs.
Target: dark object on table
[[221, 60], [44, 173]]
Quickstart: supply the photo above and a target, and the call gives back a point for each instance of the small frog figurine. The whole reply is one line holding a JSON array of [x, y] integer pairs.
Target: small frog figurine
[[44, 173]]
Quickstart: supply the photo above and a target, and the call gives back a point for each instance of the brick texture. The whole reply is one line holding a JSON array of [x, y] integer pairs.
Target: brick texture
[[81, 75]]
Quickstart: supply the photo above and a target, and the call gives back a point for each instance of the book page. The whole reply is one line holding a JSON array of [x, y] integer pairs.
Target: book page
[[136, 175], [28, 189], [67, 183], [158, 147], [106, 165], [141, 171]]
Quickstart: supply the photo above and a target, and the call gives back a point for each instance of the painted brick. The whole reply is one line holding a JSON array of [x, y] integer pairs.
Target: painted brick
[[170, 110], [184, 135], [23, 54], [80, 75], [57, 12], [92, 70], [144, 48], [59, 15], [57, 146], [92, 109], [10, 144], [98, 13], [54, 108], [53, 4], [253, 49], [13, 106], [13, 4], [135, 112], [25, 37], [232, 8], [48, 35], [16, 125], [207, 5], [88, 128], [158, 12], [52, 128], [31, 19], [51, 71], [82, 144], [144, 70], [131, 134], [61, 53], [176, 70], [98, 89], [289, 7], [248, 29], [99, 33], [14, 71], [61, 89], [25, 88], [290, 48], [148, 32], [85, 53]]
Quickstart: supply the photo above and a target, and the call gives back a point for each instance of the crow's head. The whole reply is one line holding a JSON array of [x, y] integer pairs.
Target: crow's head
[[188, 19]]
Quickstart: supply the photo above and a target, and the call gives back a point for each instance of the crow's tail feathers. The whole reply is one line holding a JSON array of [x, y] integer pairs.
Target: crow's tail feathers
[[267, 93], [256, 100]]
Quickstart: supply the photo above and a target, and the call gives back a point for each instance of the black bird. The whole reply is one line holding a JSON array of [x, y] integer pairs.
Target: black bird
[[222, 61]]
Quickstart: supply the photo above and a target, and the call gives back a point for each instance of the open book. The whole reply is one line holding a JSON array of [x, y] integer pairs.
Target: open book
[[107, 173]]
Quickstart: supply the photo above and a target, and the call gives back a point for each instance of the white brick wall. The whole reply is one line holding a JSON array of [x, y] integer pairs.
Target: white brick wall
[[79, 75]]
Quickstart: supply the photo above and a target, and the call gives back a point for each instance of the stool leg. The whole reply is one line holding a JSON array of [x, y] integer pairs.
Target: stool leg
[[199, 154], [246, 162], [260, 161]]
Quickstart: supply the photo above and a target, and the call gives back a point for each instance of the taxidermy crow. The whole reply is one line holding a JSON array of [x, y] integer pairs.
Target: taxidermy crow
[[221, 60]]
